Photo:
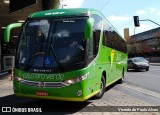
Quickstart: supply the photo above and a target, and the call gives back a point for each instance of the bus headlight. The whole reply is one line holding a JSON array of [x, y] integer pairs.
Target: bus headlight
[[77, 79], [18, 78]]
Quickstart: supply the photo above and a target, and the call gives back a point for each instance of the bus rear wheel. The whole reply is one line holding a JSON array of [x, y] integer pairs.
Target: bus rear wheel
[[102, 90], [122, 79]]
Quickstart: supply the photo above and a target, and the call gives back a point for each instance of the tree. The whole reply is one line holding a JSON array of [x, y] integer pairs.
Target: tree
[[136, 48]]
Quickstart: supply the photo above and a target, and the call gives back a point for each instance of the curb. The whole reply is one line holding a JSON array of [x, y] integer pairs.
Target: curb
[[155, 64]]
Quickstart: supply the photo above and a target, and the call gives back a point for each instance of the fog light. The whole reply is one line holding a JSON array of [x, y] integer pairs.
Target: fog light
[[79, 93], [18, 78]]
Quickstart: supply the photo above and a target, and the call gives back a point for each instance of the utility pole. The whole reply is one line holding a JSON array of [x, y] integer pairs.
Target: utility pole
[[63, 5], [150, 21]]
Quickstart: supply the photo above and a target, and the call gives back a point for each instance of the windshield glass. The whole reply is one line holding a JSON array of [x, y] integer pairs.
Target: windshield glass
[[138, 60], [52, 43]]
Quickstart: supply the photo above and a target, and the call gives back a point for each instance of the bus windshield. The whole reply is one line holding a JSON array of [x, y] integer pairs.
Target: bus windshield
[[52, 44]]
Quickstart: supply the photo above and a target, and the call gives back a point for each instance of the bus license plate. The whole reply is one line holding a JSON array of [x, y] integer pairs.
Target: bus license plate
[[41, 93]]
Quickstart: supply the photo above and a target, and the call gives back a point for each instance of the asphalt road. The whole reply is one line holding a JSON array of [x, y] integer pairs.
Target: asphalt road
[[146, 79], [143, 85]]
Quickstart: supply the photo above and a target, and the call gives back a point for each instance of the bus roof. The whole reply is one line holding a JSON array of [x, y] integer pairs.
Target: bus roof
[[62, 13], [72, 12]]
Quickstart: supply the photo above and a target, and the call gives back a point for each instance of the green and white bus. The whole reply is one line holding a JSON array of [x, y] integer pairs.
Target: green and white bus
[[67, 54]]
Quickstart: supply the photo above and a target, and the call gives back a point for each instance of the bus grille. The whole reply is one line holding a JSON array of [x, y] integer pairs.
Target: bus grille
[[44, 84]]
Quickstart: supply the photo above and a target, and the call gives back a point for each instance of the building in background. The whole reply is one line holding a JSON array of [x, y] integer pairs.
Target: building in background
[[146, 44]]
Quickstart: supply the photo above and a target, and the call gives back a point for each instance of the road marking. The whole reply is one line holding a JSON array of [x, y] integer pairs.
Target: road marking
[[142, 90], [148, 75]]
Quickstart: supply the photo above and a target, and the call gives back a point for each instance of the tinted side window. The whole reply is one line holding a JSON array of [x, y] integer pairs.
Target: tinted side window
[[112, 39], [108, 36], [96, 32]]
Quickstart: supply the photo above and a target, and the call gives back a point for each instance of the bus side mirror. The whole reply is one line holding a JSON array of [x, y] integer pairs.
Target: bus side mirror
[[89, 28], [8, 31]]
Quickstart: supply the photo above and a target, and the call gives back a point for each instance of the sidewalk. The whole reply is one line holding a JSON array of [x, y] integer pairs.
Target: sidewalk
[[155, 64]]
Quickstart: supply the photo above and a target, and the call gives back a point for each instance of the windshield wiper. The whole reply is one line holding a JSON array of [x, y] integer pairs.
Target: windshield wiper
[[56, 57]]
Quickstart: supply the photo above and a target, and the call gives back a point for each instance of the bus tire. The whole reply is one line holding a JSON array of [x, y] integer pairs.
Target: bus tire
[[122, 78], [102, 90], [147, 69]]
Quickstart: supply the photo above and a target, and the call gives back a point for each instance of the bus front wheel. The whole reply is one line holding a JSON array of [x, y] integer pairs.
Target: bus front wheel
[[102, 90]]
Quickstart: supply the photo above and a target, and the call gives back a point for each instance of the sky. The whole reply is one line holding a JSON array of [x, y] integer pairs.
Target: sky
[[120, 13]]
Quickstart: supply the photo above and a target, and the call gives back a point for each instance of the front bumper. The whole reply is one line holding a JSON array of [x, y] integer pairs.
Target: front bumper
[[75, 92], [141, 67]]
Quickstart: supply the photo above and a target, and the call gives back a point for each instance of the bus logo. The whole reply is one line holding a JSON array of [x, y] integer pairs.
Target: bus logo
[[40, 84]]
